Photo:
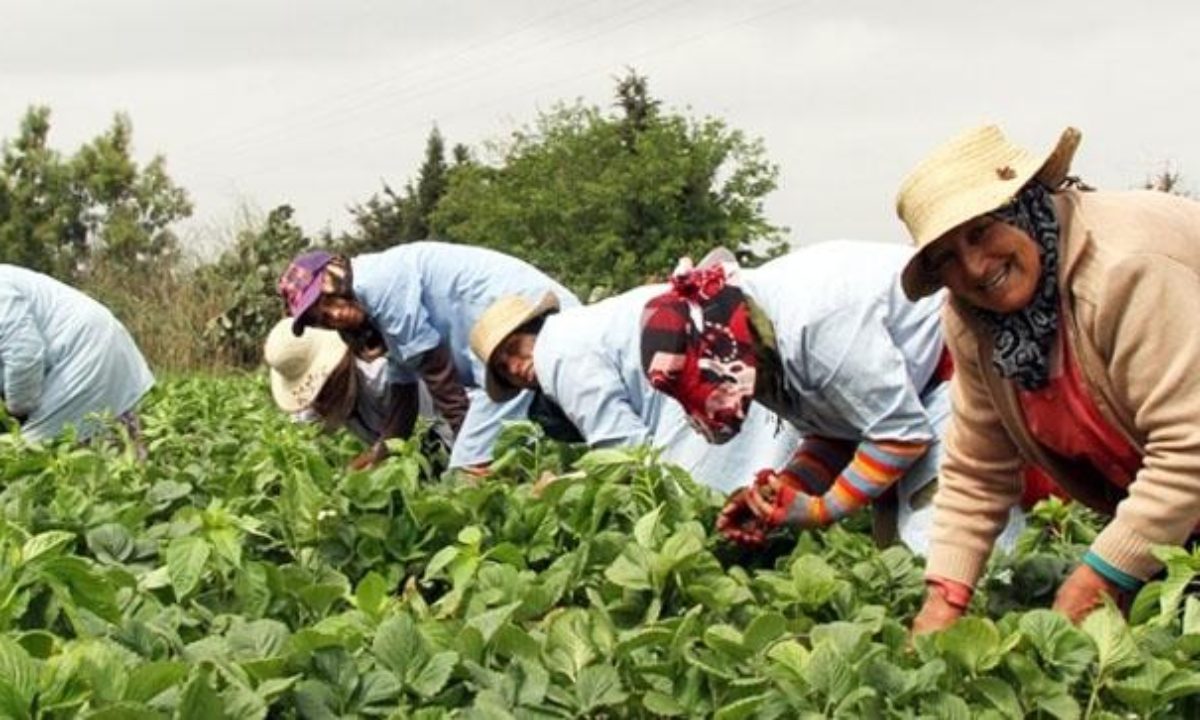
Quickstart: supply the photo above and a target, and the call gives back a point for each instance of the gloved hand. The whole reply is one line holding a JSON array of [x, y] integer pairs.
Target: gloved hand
[[1082, 592], [777, 500], [738, 523]]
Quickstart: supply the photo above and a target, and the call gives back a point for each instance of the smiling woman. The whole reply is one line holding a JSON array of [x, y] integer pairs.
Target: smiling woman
[[1071, 323]]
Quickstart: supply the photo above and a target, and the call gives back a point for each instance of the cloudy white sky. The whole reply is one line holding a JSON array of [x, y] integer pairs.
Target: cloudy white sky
[[311, 103]]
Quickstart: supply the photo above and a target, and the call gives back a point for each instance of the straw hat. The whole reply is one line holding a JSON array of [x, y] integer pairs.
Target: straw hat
[[300, 365], [498, 322], [971, 175]]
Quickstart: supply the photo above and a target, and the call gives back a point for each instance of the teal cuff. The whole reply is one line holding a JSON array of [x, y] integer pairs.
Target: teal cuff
[[1123, 580]]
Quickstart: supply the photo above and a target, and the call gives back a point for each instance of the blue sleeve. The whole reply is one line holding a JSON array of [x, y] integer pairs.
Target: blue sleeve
[[482, 425], [400, 315], [22, 353]]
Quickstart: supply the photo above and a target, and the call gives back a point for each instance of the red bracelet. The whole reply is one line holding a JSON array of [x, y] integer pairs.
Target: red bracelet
[[954, 593]]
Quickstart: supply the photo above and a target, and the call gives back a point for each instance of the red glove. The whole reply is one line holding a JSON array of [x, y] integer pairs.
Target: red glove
[[738, 523], [771, 497]]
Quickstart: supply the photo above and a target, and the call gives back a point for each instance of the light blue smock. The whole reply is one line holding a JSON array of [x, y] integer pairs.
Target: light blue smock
[[63, 356], [858, 357], [588, 360], [425, 293]]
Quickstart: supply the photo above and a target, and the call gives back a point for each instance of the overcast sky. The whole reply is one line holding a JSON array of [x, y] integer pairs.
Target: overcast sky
[[315, 104]]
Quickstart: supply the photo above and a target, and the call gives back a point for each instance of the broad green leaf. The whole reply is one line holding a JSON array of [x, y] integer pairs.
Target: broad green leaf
[[371, 595], [258, 639], [1114, 645], [487, 623], [645, 528], [434, 674], [950, 707], [726, 640], [153, 678], [125, 711], [111, 543], [1062, 646], [18, 675], [199, 700], [186, 557], [742, 708], [829, 674], [598, 686], [632, 569], [763, 630], [1001, 695], [1061, 706], [47, 543], [791, 655], [398, 644], [662, 705], [971, 642]]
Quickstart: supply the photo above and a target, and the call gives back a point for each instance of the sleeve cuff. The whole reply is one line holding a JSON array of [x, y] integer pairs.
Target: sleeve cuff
[[954, 562], [1121, 579], [1126, 550]]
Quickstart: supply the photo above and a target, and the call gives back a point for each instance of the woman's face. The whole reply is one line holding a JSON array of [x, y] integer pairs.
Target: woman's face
[[513, 360], [334, 312], [987, 263]]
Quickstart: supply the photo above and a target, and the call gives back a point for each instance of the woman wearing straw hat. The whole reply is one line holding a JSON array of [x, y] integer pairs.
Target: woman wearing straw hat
[[1072, 327], [315, 376], [824, 338], [64, 358], [587, 361], [420, 301]]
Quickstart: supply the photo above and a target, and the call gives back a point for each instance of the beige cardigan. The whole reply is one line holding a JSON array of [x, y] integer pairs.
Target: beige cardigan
[[1130, 273]]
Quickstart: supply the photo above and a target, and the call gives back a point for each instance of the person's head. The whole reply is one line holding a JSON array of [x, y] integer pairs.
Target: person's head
[[318, 289], [313, 371], [504, 338], [967, 207], [698, 348]]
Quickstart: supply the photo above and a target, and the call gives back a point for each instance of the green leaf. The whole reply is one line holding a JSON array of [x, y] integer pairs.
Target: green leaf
[[434, 674], [1114, 645], [764, 629], [47, 543], [741, 708], [631, 569], [487, 623], [199, 700], [1001, 695], [398, 644], [18, 678], [1061, 645], [1061, 706], [153, 678], [111, 543], [186, 557], [371, 595], [828, 673], [645, 528], [598, 686], [661, 704], [973, 643], [258, 639]]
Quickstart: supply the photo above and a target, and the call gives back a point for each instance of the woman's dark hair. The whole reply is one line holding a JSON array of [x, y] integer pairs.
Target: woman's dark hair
[[335, 401]]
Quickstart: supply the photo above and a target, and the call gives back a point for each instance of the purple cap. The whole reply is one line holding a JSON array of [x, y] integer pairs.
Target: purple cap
[[300, 285]]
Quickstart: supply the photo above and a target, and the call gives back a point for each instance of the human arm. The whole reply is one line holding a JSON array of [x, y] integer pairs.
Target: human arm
[[436, 368], [399, 422], [22, 355], [1142, 324], [802, 495]]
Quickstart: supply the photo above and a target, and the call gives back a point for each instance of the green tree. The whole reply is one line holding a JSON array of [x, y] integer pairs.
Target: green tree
[[247, 274], [41, 215], [61, 215], [613, 200]]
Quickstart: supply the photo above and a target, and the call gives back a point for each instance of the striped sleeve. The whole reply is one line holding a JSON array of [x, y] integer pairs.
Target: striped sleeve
[[875, 467], [817, 462]]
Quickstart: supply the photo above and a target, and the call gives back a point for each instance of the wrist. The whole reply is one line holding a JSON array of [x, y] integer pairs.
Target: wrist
[[953, 593]]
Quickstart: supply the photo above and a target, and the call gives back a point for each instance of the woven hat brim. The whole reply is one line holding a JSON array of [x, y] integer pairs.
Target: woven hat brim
[[295, 394], [1051, 170], [491, 331]]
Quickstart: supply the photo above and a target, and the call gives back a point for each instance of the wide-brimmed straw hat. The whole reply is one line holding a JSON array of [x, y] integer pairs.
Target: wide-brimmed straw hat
[[971, 175], [496, 323], [300, 365]]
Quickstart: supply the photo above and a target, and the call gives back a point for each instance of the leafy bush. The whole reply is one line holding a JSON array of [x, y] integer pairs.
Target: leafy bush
[[241, 572]]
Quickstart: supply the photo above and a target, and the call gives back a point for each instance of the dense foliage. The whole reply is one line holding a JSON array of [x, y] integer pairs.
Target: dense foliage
[[241, 572]]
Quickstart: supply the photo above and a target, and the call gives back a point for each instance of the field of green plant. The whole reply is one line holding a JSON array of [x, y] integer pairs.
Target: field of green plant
[[242, 573]]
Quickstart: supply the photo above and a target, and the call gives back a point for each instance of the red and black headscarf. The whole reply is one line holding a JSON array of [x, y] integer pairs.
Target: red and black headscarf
[[698, 348]]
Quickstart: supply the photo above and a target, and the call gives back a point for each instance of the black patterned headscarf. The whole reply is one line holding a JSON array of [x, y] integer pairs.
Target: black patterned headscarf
[[1022, 340]]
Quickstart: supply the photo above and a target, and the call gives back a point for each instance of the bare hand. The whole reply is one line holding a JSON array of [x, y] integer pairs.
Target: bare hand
[[1082, 592], [936, 614], [370, 458]]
